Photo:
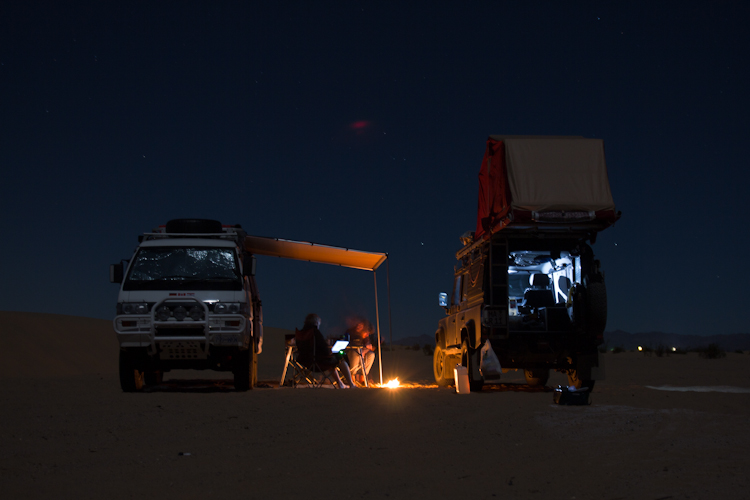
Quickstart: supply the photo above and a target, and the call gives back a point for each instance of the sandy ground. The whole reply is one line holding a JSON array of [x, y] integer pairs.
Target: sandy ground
[[68, 432]]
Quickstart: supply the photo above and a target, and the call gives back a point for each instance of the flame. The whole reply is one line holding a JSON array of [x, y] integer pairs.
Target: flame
[[392, 384]]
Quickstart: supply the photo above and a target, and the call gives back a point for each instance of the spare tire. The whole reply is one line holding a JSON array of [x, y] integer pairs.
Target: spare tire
[[192, 226], [596, 308]]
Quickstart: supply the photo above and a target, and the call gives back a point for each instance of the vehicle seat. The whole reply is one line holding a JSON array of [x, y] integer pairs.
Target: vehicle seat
[[540, 294]]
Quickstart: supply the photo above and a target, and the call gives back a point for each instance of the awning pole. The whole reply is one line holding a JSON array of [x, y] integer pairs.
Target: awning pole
[[388, 287], [377, 323]]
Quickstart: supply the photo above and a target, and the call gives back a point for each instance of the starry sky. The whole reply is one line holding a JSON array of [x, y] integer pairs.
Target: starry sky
[[363, 124]]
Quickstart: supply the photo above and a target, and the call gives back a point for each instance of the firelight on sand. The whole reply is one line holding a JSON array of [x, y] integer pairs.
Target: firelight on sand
[[392, 384]]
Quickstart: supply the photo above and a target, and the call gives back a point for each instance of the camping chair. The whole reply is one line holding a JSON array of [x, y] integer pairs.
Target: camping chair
[[306, 372], [294, 373], [315, 376]]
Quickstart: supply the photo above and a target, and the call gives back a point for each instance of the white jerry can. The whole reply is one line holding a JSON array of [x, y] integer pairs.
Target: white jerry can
[[461, 377]]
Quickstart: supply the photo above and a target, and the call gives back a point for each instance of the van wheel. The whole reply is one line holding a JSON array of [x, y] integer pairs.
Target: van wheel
[[131, 378], [537, 376], [246, 371], [439, 367], [470, 358]]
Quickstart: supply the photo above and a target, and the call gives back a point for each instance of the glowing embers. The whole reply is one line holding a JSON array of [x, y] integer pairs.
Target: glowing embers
[[392, 384]]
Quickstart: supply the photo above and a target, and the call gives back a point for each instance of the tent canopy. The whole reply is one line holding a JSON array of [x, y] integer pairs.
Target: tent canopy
[[524, 175], [313, 252]]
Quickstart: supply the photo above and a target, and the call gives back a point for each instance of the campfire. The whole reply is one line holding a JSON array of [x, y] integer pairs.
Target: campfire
[[392, 384]]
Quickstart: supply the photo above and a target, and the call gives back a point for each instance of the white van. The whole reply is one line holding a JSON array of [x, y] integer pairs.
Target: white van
[[188, 300]]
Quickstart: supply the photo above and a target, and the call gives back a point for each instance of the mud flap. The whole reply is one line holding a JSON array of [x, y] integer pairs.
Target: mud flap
[[598, 372], [590, 367]]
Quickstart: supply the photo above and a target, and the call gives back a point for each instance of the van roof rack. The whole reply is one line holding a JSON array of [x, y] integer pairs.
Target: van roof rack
[[234, 233]]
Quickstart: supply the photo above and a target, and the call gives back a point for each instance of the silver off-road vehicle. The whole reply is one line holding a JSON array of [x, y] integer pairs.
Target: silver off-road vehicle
[[527, 281]]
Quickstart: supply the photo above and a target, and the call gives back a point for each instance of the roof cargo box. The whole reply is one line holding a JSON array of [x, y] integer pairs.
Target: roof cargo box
[[544, 182]]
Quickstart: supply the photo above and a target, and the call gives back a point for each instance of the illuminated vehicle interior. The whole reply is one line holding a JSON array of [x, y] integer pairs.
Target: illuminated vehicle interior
[[538, 273]]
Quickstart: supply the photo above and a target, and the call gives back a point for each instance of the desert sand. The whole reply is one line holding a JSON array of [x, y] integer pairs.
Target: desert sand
[[69, 432]]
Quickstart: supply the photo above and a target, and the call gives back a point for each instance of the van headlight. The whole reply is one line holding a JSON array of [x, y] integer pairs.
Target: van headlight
[[228, 308], [134, 308]]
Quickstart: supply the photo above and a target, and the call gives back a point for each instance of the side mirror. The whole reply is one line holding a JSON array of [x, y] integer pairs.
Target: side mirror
[[443, 300], [116, 273], [248, 265]]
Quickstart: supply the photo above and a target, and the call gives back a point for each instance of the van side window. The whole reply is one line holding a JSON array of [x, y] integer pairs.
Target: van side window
[[457, 289]]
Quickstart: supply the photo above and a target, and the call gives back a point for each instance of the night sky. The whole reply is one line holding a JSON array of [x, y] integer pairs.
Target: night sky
[[363, 124]]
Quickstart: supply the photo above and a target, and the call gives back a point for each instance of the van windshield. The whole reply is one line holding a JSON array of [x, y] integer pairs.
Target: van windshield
[[184, 268]]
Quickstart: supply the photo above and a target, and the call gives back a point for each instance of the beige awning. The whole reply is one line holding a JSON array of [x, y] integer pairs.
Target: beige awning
[[313, 252], [325, 254]]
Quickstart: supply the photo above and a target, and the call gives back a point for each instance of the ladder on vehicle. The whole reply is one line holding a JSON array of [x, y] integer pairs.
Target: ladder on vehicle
[[498, 262]]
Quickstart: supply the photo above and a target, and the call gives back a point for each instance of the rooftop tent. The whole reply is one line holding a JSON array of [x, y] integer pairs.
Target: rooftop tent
[[522, 176], [324, 254]]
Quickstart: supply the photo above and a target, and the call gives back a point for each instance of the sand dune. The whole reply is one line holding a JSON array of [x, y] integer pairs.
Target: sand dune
[[68, 432]]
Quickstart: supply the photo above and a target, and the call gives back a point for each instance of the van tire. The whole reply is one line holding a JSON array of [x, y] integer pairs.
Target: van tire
[[246, 371], [131, 378]]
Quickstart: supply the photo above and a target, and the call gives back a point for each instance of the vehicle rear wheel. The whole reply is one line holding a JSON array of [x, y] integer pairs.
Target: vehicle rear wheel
[[246, 371], [470, 358], [439, 367], [131, 378], [577, 382], [537, 376]]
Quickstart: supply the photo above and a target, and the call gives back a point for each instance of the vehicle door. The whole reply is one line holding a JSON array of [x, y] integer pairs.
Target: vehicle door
[[459, 292]]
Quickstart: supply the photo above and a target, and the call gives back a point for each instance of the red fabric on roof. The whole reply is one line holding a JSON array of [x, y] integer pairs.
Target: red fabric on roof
[[494, 194]]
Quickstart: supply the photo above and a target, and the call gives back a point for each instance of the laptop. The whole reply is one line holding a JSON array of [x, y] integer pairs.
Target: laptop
[[339, 345]]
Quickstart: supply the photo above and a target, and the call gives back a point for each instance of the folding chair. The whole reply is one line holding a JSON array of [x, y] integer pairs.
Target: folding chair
[[296, 373], [311, 373], [293, 370]]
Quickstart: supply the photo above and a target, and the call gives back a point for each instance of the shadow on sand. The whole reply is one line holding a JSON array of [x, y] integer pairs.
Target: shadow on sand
[[227, 385]]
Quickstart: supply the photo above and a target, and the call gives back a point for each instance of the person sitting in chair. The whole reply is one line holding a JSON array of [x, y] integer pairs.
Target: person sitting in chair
[[313, 350], [358, 336]]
